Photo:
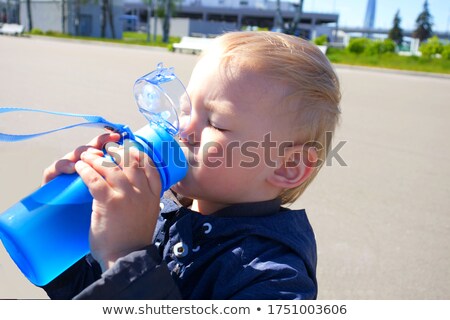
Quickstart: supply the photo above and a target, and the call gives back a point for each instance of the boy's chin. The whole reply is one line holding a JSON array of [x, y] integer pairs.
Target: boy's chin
[[179, 189], [181, 197]]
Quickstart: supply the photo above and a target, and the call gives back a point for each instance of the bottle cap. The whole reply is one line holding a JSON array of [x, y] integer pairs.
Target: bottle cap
[[162, 99]]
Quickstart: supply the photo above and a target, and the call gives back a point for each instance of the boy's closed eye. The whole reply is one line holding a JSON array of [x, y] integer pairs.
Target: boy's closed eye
[[216, 126]]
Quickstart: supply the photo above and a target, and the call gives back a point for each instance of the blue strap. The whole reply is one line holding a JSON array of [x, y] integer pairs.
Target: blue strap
[[92, 121]]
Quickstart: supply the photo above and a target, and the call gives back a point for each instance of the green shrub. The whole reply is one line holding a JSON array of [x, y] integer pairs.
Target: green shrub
[[36, 31], [432, 47], [321, 40], [380, 47], [53, 33], [373, 48], [358, 45], [446, 52], [389, 45]]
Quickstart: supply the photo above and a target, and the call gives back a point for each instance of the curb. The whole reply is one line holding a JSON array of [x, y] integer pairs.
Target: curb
[[162, 49], [393, 71], [104, 43]]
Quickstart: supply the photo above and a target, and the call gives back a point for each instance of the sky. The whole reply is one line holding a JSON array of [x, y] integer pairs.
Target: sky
[[352, 12]]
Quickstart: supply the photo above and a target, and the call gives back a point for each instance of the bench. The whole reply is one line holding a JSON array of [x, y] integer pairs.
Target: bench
[[192, 44], [12, 29], [323, 49]]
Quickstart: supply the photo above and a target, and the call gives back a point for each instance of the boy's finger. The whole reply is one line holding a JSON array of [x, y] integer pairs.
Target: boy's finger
[[152, 175], [131, 161], [67, 163], [95, 145], [99, 141], [138, 168], [149, 170], [97, 186], [112, 174], [58, 167]]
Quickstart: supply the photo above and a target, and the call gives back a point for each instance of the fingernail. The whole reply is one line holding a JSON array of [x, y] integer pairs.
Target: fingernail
[[86, 155], [80, 164], [94, 151]]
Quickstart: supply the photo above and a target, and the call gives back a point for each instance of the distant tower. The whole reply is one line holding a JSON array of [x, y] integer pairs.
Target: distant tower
[[369, 20]]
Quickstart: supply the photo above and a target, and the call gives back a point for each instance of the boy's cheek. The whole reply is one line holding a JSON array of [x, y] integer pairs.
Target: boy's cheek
[[212, 156], [190, 154]]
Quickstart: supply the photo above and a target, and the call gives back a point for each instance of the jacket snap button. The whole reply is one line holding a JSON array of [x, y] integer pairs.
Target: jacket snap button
[[180, 250], [161, 206], [207, 227]]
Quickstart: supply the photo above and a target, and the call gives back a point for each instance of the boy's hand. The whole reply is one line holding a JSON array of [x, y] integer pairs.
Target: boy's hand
[[67, 163], [126, 202]]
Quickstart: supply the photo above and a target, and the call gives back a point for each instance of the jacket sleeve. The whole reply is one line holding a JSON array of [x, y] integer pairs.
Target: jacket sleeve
[[139, 275], [264, 271], [280, 282], [72, 281]]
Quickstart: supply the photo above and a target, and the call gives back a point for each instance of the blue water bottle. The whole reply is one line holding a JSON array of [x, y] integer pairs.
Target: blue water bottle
[[48, 231]]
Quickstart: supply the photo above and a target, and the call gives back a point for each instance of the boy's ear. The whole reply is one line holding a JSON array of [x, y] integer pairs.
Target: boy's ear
[[297, 165]]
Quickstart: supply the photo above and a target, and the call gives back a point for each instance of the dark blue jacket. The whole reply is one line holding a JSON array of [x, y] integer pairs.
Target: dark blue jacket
[[245, 251]]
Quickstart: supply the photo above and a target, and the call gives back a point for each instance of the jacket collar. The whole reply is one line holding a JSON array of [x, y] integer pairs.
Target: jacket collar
[[251, 209], [262, 208]]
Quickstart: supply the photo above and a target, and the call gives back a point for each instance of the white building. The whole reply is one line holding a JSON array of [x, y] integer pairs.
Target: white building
[[74, 17], [212, 17]]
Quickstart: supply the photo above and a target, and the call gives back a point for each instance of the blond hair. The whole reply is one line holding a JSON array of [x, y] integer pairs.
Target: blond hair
[[306, 71]]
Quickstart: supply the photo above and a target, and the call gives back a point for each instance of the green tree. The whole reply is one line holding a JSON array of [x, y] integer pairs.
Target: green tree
[[107, 16], [278, 23], [165, 10], [396, 33], [30, 20], [432, 47], [103, 9], [424, 23], [110, 11], [166, 20], [63, 15], [298, 14], [76, 21], [149, 5]]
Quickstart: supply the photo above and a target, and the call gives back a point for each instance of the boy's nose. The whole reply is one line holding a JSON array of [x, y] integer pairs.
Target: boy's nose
[[190, 133], [188, 138]]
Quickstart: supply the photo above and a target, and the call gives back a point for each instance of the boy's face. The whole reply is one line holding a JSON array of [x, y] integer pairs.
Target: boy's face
[[233, 135]]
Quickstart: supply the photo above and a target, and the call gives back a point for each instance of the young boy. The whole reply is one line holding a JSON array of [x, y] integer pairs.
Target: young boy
[[262, 104]]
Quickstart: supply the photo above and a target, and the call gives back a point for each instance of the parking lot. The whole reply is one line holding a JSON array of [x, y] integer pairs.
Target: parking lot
[[381, 217]]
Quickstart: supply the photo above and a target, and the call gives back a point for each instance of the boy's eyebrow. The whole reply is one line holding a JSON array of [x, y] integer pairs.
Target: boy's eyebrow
[[219, 107]]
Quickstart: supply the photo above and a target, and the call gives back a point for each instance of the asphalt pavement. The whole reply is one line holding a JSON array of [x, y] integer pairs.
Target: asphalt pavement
[[380, 208]]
